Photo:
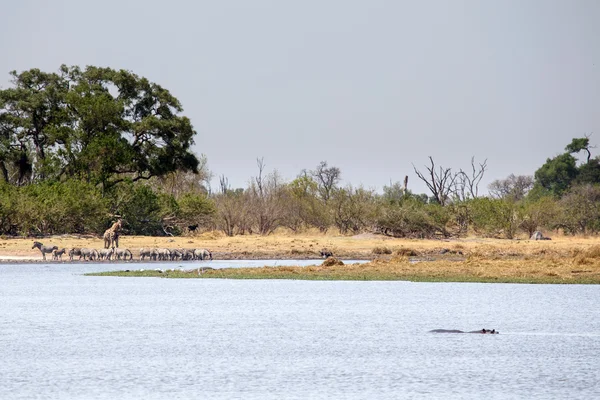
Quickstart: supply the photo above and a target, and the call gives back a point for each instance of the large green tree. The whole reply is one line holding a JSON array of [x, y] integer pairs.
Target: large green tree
[[98, 124], [557, 174], [580, 144]]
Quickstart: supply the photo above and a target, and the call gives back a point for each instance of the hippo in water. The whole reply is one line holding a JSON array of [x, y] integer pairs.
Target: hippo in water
[[492, 331]]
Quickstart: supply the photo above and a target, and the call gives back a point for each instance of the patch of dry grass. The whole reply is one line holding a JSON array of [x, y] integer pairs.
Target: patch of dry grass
[[331, 262], [547, 270], [404, 252], [381, 250]]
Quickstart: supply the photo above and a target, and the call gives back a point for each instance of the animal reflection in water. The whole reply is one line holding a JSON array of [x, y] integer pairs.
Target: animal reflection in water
[[484, 331]]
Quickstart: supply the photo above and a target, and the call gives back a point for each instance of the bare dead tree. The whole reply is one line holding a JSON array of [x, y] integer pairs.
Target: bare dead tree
[[440, 182], [232, 210], [266, 207], [259, 179], [224, 184], [327, 178], [467, 186]]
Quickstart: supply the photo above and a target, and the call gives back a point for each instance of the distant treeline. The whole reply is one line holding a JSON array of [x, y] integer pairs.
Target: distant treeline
[[82, 147], [172, 206]]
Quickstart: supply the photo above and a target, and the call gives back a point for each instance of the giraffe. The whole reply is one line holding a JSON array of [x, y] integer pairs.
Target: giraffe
[[111, 235]]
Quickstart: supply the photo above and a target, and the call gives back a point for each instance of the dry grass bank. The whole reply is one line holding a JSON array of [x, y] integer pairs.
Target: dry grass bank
[[287, 246], [562, 260], [582, 268]]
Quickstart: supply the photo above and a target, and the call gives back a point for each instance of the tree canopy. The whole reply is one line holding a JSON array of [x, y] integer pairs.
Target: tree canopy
[[96, 124], [558, 174]]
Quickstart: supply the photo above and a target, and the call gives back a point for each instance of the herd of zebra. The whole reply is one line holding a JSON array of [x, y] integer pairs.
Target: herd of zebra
[[154, 254]]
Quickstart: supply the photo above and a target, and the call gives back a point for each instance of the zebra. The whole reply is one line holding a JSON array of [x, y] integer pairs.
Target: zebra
[[202, 254], [106, 254], [89, 254], [151, 253], [74, 252], [164, 254], [44, 249], [57, 254], [123, 253]]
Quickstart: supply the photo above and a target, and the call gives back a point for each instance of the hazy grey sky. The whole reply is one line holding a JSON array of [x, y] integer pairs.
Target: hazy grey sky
[[370, 86]]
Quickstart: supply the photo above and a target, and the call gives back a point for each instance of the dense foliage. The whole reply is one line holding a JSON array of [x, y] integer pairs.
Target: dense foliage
[[98, 124], [79, 148]]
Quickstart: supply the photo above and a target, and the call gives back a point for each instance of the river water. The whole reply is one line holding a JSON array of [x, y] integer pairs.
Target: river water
[[68, 336]]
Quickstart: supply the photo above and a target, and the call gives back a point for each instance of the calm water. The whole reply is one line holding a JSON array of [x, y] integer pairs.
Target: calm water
[[68, 336]]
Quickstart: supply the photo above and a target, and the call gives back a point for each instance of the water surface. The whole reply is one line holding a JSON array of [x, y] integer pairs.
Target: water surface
[[68, 336]]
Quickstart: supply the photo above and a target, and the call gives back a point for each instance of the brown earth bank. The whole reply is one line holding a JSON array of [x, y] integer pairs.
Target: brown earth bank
[[290, 247], [561, 260]]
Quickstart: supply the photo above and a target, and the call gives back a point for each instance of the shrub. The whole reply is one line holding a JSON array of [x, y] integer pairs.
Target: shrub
[[581, 210], [332, 261], [592, 252], [403, 252], [412, 218], [381, 250], [52, 208], [494, 217]]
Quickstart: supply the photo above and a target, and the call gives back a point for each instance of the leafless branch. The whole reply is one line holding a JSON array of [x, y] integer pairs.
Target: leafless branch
[[440, 182]]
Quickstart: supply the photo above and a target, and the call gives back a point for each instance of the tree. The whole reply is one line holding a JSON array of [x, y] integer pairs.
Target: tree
[[412, 218], [327, 178], [539, 213], [557, 174], [580, 144], [440, 182], [266, 200], [588, 172], [179, 183], [581, 209], [195, 209], [98, 124], [513, 187], [467, 185], [394, 194], [141, 208], [231, 211], [353, 209], [495, 216], [303, 206]]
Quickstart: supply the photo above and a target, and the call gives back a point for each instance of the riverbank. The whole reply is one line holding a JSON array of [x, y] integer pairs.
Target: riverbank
[[308, 246], [561, 260], [581, 269]]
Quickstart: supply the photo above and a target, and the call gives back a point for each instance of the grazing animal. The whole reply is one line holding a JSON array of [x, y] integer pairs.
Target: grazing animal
[[326, 253], [187, 254], [106, 254], [176, 254], [484, 331], [164, 254], [202, 254], [74, 252], [89, 254], [111, 235], [537, 235], [152, 254], [123, 253], [57, 254], [44, 249]]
